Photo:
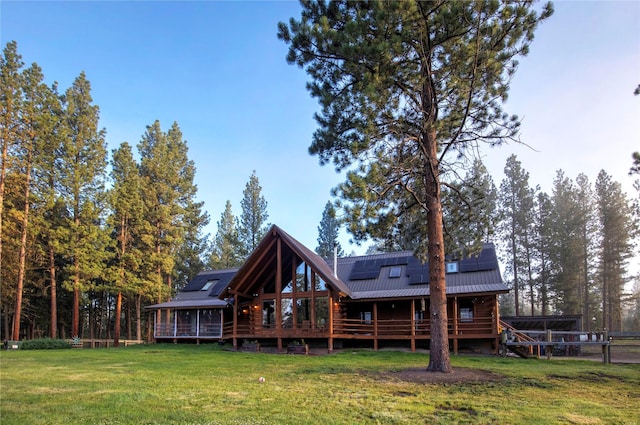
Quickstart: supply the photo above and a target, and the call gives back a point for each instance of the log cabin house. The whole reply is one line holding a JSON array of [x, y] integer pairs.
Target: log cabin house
[[285, 292]]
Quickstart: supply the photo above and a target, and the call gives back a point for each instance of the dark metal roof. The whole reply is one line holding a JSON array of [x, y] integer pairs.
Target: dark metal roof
[[189, 304], [369, 276], [363, 277], [220, 277], [192, 295]]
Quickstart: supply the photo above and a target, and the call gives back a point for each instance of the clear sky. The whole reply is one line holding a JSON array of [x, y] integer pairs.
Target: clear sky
[[218, 69]]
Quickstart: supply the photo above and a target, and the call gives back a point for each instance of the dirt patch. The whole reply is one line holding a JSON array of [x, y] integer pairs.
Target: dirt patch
[[459, 375]]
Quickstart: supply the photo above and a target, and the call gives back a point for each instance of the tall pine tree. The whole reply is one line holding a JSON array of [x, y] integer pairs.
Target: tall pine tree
[[565, 248], [404, 88], [83, 166], [253, 221], [516, 202], [125, 198], [226, 249], [328, 233], [616, 233], [168, 192]]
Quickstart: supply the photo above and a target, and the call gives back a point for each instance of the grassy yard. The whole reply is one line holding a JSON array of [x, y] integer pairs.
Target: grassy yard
[[187, 384]]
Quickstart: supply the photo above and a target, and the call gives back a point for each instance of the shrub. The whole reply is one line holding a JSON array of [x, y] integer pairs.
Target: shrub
[[44, 344]]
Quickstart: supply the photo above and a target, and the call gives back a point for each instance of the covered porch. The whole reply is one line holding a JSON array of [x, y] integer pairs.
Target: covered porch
[[376, 321]]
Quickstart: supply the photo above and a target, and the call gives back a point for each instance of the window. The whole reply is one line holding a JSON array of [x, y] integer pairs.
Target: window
[[320, 285], [466, 310], [395, 272], [303, 273], [286, 309], [268, 313], [322, 312], [209, 284], [452, 267], [365, 316], [303, 310], [466, 315]]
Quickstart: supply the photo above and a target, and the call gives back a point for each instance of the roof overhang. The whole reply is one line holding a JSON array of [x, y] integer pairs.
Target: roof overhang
[[262, 260], [189, 304]]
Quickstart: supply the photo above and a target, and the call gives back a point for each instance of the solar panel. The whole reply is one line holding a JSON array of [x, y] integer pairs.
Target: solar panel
[[468, 265]]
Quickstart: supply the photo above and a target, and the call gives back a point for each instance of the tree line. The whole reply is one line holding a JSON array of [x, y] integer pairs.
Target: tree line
[[87, 239], [564, 252], [115, 242]]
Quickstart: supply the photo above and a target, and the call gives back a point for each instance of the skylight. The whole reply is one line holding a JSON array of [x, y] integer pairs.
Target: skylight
[[395, 272], [209, 284], [452, 267]]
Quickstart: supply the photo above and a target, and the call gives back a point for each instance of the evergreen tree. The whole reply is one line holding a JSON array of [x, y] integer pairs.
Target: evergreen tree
[[328, 233], [587, 229], [125, 198], [470, 211], [53, 213], [565, 249], [82, 164], [10, 106], [168, 193], [635, 169], [404, 88], [226, 250], [516, 207], [616, 233], [189, 257], [253, 221], [542, 241], [35, 137]]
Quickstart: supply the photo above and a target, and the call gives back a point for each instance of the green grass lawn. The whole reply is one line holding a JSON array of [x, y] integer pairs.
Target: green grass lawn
[[187, 384]]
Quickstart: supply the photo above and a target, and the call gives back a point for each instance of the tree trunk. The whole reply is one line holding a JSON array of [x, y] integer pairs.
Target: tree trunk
[[138, 317], [54, 296], [3, 172], [439, 360], [23, 249], [75, 310], [5, 313], [516, 284], [116, 319], [129, 329]]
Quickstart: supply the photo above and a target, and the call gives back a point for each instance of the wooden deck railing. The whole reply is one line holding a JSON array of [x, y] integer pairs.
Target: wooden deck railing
[[102, 343], [392, 328]]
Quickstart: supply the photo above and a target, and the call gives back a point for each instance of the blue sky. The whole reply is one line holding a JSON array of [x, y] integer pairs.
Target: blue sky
[[218, 69]]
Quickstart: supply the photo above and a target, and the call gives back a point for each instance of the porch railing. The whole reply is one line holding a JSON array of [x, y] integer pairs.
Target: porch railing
[[360, 328], [164, 330]]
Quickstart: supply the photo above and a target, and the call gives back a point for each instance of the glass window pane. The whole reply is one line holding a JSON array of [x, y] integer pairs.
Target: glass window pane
[[287, 312], [303, 310], [269, 313], [322, 312], [320, 284], [288, 288], [302, 277]]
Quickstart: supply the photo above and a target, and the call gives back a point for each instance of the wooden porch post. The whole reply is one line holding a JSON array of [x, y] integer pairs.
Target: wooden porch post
[[175, 322], [455, 325], [375, 325], [279, 293], [496, 324], [330, 342], [413, 325], [313, 300], [235, 322]]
